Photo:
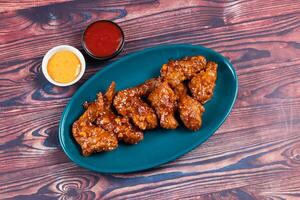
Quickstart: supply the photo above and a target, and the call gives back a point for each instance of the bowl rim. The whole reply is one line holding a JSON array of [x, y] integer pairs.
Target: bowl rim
[[106, 57], [56, 49]]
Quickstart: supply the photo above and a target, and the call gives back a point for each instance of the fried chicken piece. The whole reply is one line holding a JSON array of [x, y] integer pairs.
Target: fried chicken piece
[[136, 109], [202, 84], [176, 71], [128, 103], [90, 137], [120, 126], [109, 95], [164, 101], [190, 110], [146, 88]]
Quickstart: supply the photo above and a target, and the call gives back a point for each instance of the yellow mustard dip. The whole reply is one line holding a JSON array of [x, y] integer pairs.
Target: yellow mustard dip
[[64, 67]]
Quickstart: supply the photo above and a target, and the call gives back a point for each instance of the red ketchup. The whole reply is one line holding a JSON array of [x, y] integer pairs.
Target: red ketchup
[[103, 39]]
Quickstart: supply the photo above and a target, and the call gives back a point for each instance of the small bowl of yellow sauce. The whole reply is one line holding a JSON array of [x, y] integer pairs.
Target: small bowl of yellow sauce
[[63, 65]]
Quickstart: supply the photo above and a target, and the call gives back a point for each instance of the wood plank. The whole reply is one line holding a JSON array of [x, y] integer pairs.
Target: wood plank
[[7, 5], [13, 5], [227, 169], [254, 155], [197, 25], [270, 190]]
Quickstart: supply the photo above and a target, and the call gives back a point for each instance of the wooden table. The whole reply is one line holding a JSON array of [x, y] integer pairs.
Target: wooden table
[[254, 155]]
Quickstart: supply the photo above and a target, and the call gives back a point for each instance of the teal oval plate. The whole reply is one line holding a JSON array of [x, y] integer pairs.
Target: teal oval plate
[[159, 146]]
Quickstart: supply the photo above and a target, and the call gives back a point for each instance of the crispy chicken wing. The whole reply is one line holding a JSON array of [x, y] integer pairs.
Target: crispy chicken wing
[[164, 101], [203, 83], [176, 71], [109, 95], [190, 110], [90, 137], [120, 126], [128, 103], [146, 88]]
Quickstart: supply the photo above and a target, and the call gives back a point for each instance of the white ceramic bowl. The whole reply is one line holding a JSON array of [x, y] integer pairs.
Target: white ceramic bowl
[[56, 49]]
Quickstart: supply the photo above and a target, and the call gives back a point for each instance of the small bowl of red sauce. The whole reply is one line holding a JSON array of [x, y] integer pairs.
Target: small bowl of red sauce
[[103, 39]]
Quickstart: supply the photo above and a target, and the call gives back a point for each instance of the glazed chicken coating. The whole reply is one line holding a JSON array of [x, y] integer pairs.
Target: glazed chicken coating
[[190, 110], [90, 137], [176, 71], [146, 88], [164, 101], [202, 84], [181, 89], [109, 95], [128, 103], [118, 125], [136, 109], [121, 127]]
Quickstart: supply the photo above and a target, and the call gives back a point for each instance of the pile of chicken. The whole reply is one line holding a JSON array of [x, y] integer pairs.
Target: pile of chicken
[[184, 86]]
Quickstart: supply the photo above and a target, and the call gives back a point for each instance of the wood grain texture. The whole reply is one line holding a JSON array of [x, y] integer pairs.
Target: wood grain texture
[[254, 155]]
